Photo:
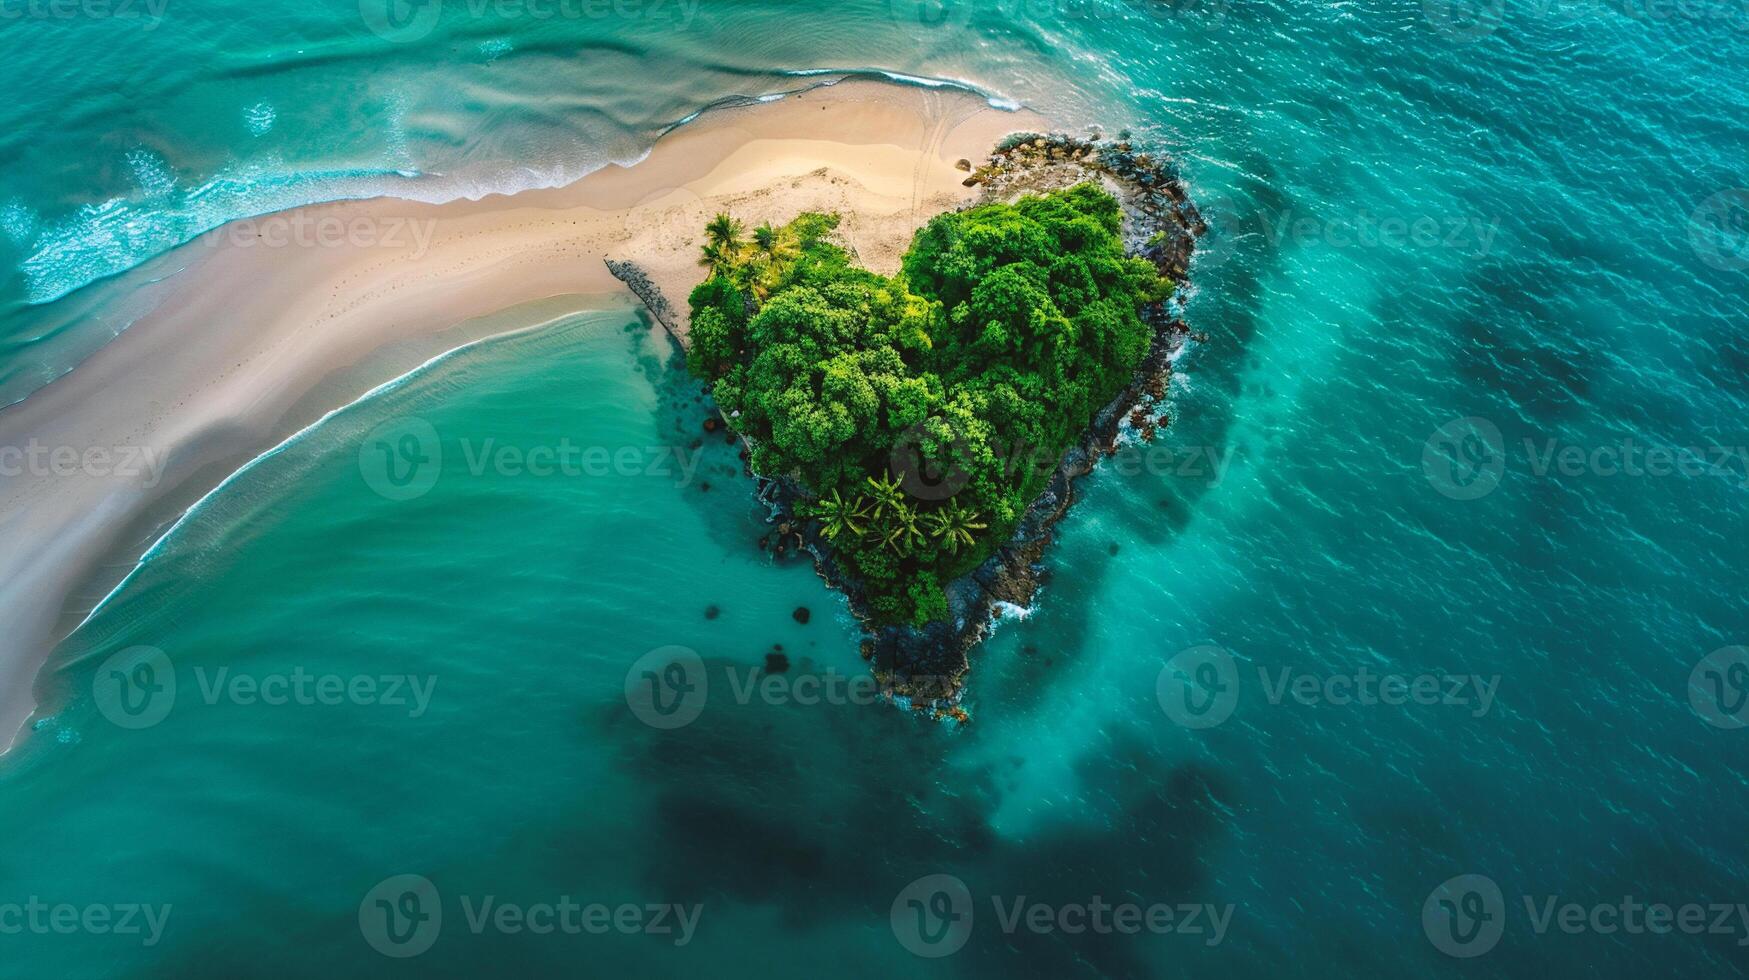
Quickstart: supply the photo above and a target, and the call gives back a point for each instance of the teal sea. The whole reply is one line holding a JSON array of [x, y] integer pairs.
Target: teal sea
[[1468, 411]]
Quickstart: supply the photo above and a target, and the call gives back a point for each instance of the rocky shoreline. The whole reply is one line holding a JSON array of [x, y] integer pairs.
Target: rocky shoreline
[[924, 668], [650, 295]]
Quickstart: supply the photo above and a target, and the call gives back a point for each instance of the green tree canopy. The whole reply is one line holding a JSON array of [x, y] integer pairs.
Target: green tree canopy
[[922, 412]]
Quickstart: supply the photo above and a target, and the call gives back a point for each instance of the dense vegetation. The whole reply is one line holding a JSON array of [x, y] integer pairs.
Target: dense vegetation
[[922, 413]]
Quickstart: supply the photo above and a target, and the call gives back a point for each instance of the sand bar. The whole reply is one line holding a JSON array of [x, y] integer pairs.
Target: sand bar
[[270, 322]]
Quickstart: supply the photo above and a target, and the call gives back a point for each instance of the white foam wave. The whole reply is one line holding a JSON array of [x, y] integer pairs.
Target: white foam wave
[[106, 238], [260, 118]]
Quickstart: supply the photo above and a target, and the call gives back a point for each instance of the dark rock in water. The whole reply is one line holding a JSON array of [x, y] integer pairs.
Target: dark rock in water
[[1112, 549], [923, 663], [712, 424], [1012, 580], [712, 612], [776, 663], [704, 486], [729, 437], [646, 291], [802, 615]]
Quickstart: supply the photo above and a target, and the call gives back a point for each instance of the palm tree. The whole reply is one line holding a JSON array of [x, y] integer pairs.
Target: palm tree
[[722, 245], [902, 535], [765, 237], [716, 258], [767, 266], [838, 515], [724, 231], [953, 526], [885, 494]]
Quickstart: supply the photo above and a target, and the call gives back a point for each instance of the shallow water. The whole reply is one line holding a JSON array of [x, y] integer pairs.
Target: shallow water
[[1567, 283]]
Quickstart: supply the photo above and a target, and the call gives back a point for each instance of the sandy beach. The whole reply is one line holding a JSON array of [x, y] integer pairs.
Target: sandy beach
[[271, 322]]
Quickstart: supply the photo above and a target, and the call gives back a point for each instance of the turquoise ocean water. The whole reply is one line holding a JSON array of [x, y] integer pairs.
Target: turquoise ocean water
[[1453, 245]]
